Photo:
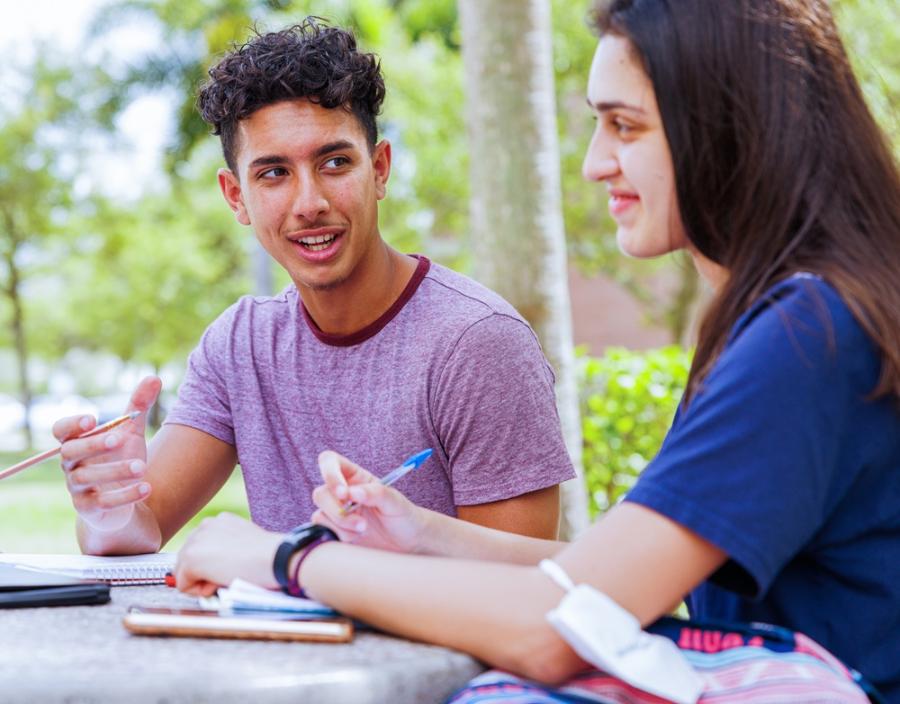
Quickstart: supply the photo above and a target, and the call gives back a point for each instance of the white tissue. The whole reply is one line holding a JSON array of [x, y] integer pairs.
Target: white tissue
[[610, 638]]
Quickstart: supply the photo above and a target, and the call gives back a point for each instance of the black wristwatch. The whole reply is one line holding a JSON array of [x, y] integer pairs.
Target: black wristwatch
[[299, 538]]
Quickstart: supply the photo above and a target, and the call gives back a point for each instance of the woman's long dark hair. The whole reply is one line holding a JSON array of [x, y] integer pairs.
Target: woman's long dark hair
[[779, 165]]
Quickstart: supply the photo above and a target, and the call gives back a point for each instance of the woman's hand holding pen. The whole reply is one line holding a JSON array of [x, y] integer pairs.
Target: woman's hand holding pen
[[384, 519], [104, 472]]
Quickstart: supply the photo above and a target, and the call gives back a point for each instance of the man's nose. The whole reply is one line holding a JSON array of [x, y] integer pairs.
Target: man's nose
[[310, 201]]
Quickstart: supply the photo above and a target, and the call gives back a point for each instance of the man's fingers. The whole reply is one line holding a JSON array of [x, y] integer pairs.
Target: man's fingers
[[74, 451], [122, 497], [143, 397], [91, 475], [72, 426]]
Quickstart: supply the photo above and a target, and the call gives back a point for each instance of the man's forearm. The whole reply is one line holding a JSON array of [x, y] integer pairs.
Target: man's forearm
[[141, 534], [451, 537]]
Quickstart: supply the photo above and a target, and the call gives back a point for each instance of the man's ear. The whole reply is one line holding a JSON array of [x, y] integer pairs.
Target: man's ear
[[381, 163], [230, 186]]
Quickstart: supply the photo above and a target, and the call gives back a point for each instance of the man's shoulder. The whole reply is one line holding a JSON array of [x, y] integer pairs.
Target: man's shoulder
[[449, 290], [253, 310], [461, 318]]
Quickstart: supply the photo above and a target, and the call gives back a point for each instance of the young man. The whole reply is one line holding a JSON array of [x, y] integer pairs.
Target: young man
[[370, 352]]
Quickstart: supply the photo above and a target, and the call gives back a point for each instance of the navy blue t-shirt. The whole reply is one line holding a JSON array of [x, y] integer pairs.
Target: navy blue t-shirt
[[784, 462]]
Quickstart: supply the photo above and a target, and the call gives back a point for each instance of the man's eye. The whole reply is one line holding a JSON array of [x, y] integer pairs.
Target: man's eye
[[273, 172], [336, 162]]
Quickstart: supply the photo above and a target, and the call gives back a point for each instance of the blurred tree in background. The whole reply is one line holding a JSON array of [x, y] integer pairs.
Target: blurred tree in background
[[86, 271], [140, 278], [43, 106]]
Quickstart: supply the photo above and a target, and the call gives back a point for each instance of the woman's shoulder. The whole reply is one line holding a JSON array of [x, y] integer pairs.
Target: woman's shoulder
[[802, 328], [805, 307]]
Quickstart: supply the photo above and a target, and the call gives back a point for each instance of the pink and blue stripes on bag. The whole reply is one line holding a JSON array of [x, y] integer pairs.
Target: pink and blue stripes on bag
[[738, 663]]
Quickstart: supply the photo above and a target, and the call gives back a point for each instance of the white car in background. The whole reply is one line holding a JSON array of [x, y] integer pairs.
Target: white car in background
[[46, 410], [12, 414]]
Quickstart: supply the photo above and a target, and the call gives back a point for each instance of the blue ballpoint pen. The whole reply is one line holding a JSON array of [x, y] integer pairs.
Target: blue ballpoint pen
[[393, 476]]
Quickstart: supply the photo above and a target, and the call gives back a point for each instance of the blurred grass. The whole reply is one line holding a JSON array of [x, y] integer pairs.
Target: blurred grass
[[36, 514]]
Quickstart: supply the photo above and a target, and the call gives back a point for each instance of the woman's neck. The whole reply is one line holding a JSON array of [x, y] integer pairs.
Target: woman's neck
[[714, 274]]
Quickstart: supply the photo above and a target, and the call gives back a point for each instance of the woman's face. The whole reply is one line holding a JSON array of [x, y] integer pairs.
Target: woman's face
[[630, 153]]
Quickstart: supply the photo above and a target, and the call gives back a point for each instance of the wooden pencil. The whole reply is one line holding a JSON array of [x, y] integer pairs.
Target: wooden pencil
[[47, 454]]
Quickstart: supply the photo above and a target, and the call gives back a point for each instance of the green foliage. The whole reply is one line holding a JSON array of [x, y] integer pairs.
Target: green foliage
[[628, 400], [141, 279], [147, 280], [871, 30], [36, 513]]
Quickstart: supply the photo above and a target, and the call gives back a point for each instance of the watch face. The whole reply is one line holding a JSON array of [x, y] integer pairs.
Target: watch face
[[302, 528]]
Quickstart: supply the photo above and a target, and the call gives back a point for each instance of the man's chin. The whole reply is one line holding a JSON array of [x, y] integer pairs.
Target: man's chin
[[324, 284]]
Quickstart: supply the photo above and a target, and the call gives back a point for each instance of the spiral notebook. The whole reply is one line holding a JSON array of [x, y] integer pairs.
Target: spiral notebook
[[117, 571]]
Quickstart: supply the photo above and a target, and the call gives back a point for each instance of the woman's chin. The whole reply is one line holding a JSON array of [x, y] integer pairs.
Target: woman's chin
[[637, 243]]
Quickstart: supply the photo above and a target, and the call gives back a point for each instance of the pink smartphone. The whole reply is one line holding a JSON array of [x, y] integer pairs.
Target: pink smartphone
[[198, 623]]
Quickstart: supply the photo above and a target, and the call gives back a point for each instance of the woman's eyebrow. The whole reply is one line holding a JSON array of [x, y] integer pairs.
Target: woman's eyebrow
[[606, 106]]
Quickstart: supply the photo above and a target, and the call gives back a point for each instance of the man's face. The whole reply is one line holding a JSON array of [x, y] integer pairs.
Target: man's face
[[309, 186]]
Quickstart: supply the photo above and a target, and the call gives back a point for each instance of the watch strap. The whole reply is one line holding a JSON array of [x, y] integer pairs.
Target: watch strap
[[299, 538]]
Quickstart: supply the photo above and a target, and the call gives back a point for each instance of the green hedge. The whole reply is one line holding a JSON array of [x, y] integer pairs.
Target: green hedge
[[628, 400]]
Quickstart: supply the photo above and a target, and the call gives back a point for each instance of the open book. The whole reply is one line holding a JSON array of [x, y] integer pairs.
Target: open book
[[118, 571]]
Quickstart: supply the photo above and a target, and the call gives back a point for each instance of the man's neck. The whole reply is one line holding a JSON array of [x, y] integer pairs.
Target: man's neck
[[362, 299]]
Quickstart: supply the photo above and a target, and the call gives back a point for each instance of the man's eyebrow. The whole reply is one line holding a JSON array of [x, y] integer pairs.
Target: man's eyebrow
[[606, 106], [276, 159], [268, 160], [335, 146]]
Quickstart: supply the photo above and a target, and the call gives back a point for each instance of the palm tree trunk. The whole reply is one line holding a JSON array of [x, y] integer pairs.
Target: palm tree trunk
[[518, 239]]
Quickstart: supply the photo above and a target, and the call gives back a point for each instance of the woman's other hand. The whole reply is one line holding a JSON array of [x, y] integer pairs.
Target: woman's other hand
[[222, 549]]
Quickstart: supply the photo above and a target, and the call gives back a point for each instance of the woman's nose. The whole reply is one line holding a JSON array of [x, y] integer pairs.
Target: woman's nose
[[600, 163]]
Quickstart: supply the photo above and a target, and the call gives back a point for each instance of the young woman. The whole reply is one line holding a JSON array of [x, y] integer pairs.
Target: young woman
[[736, 131]]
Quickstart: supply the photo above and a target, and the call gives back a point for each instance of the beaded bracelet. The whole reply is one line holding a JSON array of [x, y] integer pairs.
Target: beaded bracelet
[[298, 539], [294, 588]]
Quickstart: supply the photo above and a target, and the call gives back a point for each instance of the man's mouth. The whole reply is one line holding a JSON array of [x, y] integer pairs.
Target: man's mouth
[[317, 243]]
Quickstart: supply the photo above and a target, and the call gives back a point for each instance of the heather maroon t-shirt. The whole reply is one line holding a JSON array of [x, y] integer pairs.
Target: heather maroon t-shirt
[[450, 366]]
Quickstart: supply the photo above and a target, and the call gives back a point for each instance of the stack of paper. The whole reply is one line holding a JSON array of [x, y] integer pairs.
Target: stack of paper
[[244, 596]]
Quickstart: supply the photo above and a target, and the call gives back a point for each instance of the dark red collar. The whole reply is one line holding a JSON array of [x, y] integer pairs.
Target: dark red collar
[[373, 328]]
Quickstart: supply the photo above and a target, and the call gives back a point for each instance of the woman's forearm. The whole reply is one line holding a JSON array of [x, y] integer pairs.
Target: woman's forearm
[[495, 612]]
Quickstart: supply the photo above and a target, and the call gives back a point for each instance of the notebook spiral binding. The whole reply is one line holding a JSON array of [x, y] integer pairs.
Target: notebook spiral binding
[[124, 575]]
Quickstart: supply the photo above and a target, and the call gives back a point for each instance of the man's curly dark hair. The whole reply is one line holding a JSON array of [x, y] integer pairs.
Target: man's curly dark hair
[[309, 60]]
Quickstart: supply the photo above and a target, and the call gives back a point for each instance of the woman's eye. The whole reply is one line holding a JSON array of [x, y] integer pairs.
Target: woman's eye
[[621, 128]]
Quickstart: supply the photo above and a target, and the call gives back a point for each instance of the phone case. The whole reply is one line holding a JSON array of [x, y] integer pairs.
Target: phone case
[[197, 623], [71, 595]]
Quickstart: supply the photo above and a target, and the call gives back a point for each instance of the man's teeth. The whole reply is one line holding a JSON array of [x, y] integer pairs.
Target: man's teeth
[[317, 244]]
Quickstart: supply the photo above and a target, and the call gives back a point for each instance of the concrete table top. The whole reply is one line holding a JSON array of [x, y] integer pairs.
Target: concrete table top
[[83, 654]]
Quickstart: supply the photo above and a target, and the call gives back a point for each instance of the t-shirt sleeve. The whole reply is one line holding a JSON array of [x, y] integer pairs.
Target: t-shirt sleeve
[[494, 409], [751, 464], [203, 402]]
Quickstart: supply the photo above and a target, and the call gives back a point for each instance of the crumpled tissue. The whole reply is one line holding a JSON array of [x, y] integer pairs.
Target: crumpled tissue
[[610, 638]]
